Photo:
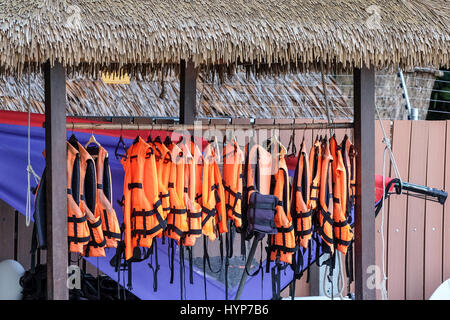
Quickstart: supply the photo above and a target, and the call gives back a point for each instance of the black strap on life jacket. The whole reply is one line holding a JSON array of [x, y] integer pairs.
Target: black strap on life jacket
[[191, 268], [297, 268], [207, 261], [276, 278], [204, 266], [171, 256], [181, 249], [138, 256], [116, 260], [229, 240], [244, 201], [349, 265], [155, 269]]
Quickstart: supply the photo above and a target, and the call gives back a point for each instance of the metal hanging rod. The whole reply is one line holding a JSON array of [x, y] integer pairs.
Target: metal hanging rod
[[218, 126]]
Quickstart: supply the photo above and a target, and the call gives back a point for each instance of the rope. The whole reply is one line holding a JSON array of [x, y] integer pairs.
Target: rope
[[384, 294], [341, 279], [29, 167], [387, 142]]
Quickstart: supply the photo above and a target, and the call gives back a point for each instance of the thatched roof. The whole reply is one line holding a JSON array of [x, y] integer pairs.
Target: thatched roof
[[90, 34], [289, 96]]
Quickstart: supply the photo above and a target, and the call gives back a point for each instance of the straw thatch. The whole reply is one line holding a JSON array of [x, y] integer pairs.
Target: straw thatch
[[87, 35], [290, 96]]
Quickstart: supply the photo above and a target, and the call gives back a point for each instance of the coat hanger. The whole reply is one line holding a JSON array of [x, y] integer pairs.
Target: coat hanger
[[291, 146], [215, 146], [138, 135], [122, 144], [275, 139], [92, 139], [149, 138], [73, 141], [180, 140], [167, 141]]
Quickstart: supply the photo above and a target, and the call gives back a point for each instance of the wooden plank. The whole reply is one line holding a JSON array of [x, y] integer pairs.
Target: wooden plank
[[446, 223], [24, 242], [434, 211], [188, 92], [416, 212], [6, 231], [364, 115], [379, 149], [56, 193], [396, 236]]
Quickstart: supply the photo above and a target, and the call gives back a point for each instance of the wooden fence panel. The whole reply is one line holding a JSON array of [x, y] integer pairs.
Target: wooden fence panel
[[416, 212], [434, 210], [6, 231], [396, 236], [24, 243]]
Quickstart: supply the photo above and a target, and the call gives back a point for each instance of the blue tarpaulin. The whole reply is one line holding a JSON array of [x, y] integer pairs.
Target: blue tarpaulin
[[13, 185]]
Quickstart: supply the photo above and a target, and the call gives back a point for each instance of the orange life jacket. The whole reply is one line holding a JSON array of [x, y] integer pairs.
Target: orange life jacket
[[324, 214], [221, 217], [282, 244], [300, 199], [214, 219], [315, 167], [77, 227], [163, 160], [342, 230], [177, 223], [192, 186], [143, 214], [198, 162], [88, 197], [103, 208], [233, 159], [264, 167]]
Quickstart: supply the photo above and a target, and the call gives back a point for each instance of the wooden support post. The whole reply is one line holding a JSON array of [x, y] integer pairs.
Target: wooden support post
[[188, 92], [55, 148], [364, 116]]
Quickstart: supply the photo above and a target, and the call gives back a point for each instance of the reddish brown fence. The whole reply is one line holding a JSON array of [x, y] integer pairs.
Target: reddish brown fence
[[417, 231]]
